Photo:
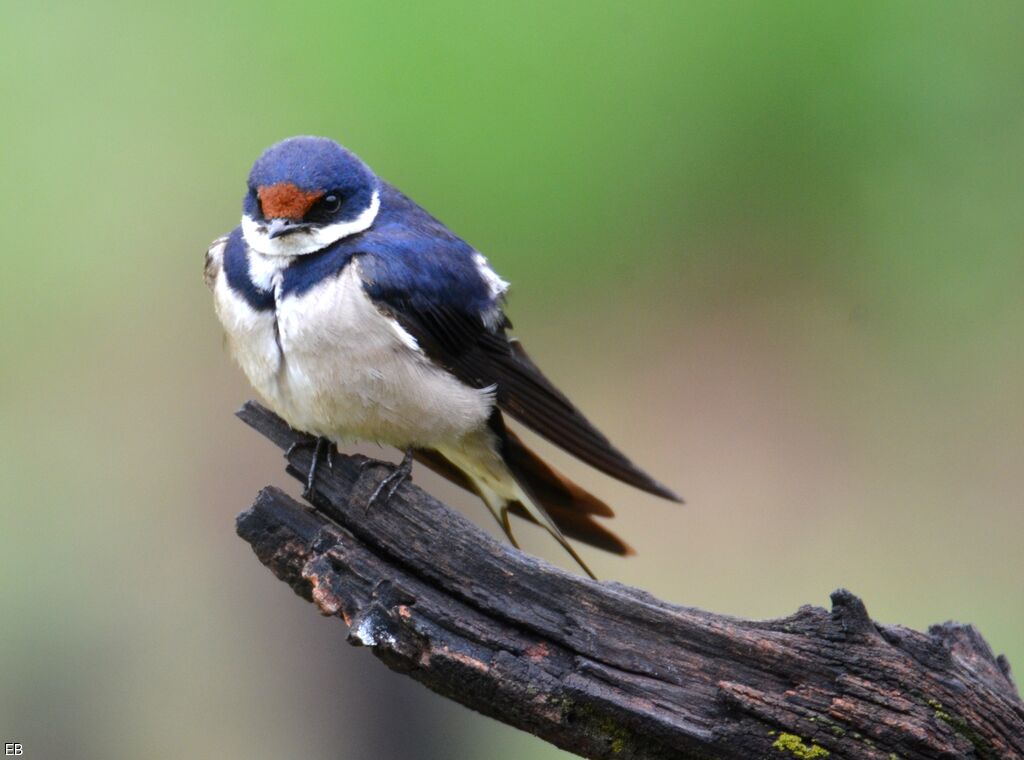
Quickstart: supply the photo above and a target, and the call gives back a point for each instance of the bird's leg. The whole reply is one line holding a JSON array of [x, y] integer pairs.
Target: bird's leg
[[390, 484], [320, 446]]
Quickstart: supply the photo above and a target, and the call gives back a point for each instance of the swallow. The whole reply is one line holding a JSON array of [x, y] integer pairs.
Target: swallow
[[358, 316]]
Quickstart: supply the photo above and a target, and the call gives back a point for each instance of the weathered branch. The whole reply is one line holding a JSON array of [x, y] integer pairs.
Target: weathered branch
[[605, 670]]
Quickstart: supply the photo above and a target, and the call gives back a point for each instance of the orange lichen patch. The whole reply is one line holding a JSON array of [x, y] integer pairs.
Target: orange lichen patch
[[328, 602], [286, 201], [538, 652], [464, 659], [468, 661]]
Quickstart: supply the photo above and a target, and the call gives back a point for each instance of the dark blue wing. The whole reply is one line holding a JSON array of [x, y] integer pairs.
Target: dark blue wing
[[428, 279]]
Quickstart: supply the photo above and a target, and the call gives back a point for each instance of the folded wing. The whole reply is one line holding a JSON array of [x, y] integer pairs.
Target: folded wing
[[478, 351]]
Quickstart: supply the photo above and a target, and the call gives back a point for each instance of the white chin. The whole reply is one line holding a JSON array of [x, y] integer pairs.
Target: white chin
[[306, 241]]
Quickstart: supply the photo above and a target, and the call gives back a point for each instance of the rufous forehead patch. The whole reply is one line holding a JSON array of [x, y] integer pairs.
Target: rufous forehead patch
[[285, 201]]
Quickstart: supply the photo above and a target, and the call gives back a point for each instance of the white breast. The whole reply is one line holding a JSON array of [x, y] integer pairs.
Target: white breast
[[251, 334], [332, 364]]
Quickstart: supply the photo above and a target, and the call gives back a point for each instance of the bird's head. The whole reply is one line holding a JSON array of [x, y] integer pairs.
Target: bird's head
[[306, 193]]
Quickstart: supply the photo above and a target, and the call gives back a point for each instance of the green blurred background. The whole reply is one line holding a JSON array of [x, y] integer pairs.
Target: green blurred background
[[773, 249]]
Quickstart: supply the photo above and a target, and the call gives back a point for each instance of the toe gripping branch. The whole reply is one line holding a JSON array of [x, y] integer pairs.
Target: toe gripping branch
[[325, 451], [609, 671], [387, 487], [323, 448]]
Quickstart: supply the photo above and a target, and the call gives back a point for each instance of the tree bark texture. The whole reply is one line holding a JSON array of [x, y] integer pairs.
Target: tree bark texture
[[608, 671]]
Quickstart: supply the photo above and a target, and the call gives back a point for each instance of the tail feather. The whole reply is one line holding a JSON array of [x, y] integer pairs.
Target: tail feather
[[548, 486], [579, 526], [571, 508]]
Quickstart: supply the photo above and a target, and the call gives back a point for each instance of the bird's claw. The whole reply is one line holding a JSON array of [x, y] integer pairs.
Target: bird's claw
[[389, 485], [321, 447]]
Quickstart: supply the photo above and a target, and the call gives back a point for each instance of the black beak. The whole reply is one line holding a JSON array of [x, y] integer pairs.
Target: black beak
[[280, 227]]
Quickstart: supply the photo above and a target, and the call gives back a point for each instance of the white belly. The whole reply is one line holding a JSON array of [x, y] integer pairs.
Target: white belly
[[330, 363]]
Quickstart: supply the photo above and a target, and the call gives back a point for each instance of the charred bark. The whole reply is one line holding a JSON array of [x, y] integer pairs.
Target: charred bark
[[609, 671]]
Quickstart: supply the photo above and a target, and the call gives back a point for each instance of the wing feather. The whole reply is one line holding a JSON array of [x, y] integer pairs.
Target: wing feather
[[483, 356]]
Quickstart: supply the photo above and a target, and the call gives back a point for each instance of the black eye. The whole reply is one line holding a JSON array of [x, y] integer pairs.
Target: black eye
[[323, 210]]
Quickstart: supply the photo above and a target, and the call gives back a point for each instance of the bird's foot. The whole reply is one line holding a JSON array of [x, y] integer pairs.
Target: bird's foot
[[387, 487], [321, 447]]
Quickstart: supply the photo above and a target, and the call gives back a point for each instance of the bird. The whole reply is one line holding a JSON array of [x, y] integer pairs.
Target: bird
[[358, 316]]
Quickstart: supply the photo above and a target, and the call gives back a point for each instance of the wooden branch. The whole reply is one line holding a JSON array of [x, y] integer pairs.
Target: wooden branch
[[608, 671]]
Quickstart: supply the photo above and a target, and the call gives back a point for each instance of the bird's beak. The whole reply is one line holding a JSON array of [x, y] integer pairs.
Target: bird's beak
[[280, 227]]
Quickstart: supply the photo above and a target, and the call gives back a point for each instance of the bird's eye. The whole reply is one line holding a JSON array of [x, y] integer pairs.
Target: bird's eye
[[323, 210]]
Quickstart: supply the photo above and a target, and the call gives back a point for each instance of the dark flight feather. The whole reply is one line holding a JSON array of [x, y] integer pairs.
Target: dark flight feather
[[482, 356]]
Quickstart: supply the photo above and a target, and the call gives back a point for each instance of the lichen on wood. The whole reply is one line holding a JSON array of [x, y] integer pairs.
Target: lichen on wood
[[609, 671]]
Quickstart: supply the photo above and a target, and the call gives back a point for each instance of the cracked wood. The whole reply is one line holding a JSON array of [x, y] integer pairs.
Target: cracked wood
[[606, 670]]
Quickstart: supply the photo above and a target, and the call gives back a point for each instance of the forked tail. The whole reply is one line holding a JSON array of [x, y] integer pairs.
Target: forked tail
[[547, 498]]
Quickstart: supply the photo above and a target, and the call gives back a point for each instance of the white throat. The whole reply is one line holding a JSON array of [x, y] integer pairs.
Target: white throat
[[306, 241]]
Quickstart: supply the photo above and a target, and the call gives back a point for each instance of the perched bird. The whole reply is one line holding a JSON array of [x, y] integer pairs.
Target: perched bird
[[358, 316]]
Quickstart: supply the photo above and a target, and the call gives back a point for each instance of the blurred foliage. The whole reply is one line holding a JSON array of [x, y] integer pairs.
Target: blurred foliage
[[775, 248]]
